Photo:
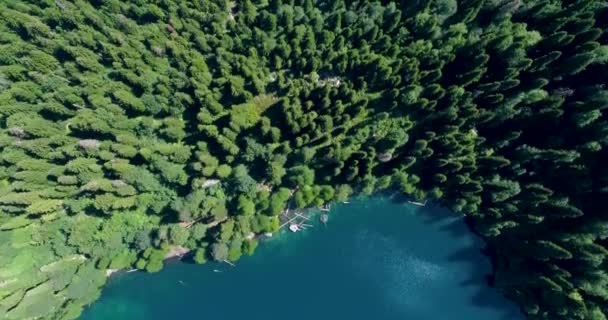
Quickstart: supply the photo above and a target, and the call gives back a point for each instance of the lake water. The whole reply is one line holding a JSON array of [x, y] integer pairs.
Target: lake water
[[376, 259]]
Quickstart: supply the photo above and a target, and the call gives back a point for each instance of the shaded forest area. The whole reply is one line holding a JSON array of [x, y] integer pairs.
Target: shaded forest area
[[129, 128]]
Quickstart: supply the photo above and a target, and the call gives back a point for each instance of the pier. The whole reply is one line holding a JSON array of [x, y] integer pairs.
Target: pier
[[295, 220], [298, 219]]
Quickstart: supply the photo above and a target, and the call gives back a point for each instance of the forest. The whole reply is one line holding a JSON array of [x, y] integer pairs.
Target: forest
[[130, 128]]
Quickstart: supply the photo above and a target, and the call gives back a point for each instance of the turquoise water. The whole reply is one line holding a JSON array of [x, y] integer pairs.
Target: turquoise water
[[375, 259]]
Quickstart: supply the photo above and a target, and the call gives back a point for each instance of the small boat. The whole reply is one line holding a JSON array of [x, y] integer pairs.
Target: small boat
[[217, 271], [324, 218], [420, 204], [294, 227]]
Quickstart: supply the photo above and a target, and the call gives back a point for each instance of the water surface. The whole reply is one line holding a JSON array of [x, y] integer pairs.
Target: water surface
[[375, 259]]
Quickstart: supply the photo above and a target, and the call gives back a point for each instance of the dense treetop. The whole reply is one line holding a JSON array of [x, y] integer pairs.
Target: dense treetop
[[131, 128]]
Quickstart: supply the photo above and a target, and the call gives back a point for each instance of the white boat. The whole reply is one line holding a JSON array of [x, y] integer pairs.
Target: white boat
[[294, 227]]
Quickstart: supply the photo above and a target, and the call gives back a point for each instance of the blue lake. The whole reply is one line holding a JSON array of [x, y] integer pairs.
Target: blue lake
[[376, 259]]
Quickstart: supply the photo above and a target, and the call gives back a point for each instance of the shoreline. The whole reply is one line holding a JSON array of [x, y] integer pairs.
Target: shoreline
[[181, 252], [175, 252], [289, 215], [185, 277]]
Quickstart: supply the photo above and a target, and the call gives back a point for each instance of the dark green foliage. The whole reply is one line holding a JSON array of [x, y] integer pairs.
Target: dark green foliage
[[128, 129]]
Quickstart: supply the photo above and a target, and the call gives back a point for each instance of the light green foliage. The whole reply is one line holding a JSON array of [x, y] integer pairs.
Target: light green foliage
[[128, 127], [245, 206], [219, 251], [245, 116], [278, 200], [121, 260], [178, 235], [44, 206], [152, 259], [235, 250], [127, 100], [227, 230], [223, 171], [200, 256], [249, 247]]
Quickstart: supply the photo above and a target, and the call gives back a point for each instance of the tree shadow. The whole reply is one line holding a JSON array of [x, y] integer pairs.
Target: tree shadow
[[481, 279], [455, 226], [497, 301], [449, 222], [474, 254]]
